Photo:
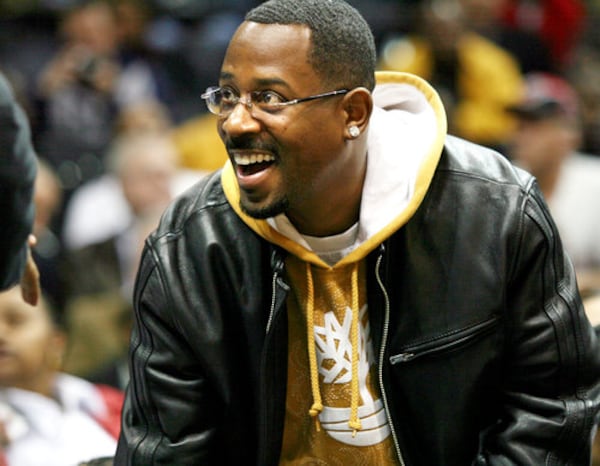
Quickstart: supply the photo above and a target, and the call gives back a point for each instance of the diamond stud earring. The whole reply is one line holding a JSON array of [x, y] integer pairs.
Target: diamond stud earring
[[354, 131]]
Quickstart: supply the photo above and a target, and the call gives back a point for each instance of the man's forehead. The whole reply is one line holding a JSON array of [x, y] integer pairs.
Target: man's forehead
[[268, 54], [266, 40], [252, 27]]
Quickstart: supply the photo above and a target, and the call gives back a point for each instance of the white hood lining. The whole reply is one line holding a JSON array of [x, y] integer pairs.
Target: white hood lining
[[402, 130]]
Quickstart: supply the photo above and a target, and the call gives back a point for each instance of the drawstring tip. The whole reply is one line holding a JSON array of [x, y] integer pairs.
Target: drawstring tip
[[355, 426], [314, 412]]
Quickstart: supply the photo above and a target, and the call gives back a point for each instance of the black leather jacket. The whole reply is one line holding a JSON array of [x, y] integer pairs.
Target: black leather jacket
[[485, 355]]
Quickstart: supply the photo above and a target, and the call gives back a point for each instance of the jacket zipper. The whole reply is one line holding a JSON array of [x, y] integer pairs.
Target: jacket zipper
[[272, 309], [424, 349], [384, 337], [277, 267]]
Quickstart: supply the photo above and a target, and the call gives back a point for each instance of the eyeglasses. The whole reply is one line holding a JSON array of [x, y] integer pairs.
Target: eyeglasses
[[222, 100]]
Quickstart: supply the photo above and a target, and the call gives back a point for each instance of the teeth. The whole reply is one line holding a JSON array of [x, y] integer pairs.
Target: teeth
[[254, 158]]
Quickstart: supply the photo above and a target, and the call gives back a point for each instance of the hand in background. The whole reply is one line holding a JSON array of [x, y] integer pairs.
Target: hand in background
[[30, 280]]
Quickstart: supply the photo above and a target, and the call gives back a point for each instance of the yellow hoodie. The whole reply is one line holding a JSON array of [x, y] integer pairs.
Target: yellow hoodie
[[334, 409]]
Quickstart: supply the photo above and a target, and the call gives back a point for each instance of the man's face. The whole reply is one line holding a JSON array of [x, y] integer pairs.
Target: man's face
[[147, 175], [30, 346], [303, 144]]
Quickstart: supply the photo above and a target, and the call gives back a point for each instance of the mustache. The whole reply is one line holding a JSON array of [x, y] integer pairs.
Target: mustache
[[249, 143]]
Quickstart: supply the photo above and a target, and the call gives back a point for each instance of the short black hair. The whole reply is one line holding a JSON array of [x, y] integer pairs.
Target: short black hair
[[343, 47]]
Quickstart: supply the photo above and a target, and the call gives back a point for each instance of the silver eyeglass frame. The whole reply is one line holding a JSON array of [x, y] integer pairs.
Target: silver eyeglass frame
[[249, 103]]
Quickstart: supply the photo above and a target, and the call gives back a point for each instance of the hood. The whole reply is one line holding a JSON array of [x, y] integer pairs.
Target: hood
[[406, 135]]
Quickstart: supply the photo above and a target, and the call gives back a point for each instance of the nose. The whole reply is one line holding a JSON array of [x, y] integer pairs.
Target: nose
[[241, 119]]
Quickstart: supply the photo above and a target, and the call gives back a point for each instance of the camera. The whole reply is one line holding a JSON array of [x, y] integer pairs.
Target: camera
[[86, 69]]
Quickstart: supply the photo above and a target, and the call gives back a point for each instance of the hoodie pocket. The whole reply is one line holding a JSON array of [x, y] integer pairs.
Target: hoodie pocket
[[446, 343]]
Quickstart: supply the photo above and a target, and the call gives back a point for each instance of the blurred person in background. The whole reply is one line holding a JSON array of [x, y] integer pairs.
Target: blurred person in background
[[476, 78], [558, 23], [546, 144], [101, 68], [99, 209], [584, 75], [49, 417], [485, 17], [143, 116], [144, 166], [144, 74], [114, 372], [99, 276], [76, 93]]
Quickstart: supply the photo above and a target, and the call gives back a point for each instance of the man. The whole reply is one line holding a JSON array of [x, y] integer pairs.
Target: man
[[354, 287], [546, 144], [17, 176]]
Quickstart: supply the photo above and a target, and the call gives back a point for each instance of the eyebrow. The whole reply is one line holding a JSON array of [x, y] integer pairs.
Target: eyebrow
[[260, 82]]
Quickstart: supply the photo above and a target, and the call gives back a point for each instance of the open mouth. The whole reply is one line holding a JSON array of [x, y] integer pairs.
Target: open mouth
[[250, 164]]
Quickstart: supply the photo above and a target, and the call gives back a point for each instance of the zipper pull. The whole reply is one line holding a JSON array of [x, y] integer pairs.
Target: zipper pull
[[277, 263], [402, 357]]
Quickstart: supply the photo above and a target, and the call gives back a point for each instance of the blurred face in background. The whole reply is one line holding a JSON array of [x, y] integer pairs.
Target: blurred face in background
[[541, 145], [147, 166], [482, 14], [144, 116], [94, 27], [442, 22], [31, 346]]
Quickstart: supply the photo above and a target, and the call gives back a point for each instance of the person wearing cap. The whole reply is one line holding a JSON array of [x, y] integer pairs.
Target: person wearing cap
[[18, 170], [546, 144]]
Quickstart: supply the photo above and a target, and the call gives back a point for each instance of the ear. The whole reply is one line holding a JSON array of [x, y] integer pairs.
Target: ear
[[358, 105]]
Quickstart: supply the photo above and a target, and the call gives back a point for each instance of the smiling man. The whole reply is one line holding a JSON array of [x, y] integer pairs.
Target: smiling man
[[355, 286]]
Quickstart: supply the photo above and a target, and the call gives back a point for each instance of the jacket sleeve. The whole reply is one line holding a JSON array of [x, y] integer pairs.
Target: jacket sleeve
[[17, 175], [551, 393], [170, 410]]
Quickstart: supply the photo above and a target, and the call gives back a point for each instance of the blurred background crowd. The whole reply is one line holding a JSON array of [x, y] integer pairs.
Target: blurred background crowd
[[112, 90]]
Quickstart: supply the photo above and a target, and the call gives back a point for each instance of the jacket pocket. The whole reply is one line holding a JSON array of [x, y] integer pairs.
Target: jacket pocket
[[447, 342]]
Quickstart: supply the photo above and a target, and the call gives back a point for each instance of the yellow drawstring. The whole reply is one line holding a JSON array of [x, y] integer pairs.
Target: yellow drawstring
[[317, 405], [354, 422]]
